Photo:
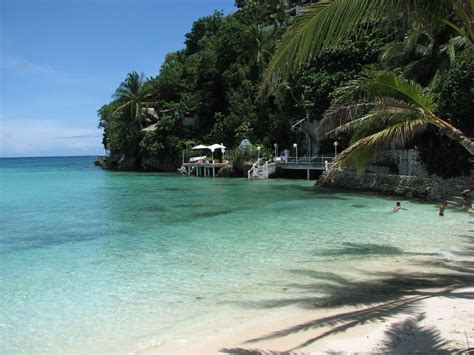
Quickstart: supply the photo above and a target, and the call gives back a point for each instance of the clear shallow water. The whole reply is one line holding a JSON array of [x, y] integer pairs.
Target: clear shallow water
[[92, 260]]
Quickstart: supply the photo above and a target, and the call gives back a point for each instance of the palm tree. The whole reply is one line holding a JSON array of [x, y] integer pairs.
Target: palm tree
[[423, 56], [328, 22], [134, 94], [380, 108]]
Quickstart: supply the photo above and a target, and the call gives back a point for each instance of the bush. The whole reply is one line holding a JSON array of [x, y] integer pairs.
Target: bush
[[249, 153]]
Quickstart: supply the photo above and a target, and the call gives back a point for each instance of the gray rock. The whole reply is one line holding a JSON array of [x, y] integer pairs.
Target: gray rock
[[242, 167], [127, 163], [431, 188], [159, 163], [226, 172]]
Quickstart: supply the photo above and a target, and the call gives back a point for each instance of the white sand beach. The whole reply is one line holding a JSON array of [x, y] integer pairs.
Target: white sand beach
[[401, 314]]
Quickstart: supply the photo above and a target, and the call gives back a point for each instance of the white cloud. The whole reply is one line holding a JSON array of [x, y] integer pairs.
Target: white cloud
[[47, 137], [25, 67]]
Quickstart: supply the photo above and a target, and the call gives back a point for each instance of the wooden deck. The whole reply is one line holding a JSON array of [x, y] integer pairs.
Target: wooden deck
[[313, 163], [318, 163], [204, 169]]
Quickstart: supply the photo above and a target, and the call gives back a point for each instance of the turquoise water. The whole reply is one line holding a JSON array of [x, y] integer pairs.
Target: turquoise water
[[93, 260]]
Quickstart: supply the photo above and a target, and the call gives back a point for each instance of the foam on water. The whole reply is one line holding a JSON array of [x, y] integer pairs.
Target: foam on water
[[95, 261]]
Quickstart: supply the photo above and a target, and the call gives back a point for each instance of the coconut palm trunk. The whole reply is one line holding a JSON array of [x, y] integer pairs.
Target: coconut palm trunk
[[455, 134]]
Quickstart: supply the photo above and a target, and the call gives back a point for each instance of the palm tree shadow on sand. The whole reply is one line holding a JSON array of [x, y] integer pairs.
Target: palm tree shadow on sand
[[377, 299], [409, 335]]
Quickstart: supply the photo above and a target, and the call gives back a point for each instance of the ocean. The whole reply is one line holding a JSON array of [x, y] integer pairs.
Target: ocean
[[101, 261]]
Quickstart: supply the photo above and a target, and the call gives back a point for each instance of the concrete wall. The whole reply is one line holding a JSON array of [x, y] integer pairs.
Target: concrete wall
[[407, 161]]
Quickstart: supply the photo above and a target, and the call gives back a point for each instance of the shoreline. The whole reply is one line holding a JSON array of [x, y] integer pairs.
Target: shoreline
[[404, 310], [428, 188], [443, 322]]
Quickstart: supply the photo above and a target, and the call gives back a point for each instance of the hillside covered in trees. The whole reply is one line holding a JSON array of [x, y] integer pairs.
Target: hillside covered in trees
[[217, 88]]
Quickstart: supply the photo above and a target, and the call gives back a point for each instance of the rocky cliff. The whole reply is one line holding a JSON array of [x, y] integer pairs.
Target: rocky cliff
[[123, 162], [430, 188]]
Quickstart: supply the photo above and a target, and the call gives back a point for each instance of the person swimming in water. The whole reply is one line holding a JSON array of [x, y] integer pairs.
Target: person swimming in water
[[398, 207]]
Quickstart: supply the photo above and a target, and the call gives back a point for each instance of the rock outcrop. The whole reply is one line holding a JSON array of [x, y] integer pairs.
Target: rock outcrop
[[123, 162], [226, 172], [241, 168], [430, 188], [117, 161], [162, 163]]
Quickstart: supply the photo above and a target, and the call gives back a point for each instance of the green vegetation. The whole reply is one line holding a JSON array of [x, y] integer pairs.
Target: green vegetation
[[381, 108], [375, 72]]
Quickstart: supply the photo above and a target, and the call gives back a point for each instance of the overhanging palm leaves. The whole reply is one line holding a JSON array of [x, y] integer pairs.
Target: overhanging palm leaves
[[423, 56], [465, 11], [328, 22], [388, 109], [133, 95]]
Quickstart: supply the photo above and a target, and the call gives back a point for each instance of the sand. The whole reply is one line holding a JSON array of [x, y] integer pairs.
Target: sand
[[439, 324], [407, 310]]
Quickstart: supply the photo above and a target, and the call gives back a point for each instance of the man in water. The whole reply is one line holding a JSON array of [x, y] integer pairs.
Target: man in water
[[442, 207], [398, 207]]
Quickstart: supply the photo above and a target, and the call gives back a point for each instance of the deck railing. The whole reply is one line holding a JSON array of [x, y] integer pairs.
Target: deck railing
[[254, 170], [316, 160]]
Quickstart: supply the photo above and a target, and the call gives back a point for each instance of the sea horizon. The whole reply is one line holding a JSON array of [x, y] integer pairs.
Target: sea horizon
[[53, 156]]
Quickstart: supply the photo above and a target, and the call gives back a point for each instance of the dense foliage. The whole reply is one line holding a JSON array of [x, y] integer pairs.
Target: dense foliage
[[214, 82], [455, 94]]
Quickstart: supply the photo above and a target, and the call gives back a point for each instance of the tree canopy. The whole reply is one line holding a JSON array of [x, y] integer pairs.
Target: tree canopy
[[254, 73]]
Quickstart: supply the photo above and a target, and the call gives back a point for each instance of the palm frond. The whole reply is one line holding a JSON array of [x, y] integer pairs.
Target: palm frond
[[465, 11], [374, 91], [320, 26], [393, 54], [326, 23], [365, 151], [387, 84], [338, 116], [383, 114], [416, 43], [381, 119], [454, 46]]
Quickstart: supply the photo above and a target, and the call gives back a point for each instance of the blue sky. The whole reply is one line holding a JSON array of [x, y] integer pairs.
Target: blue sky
[[60, 60]]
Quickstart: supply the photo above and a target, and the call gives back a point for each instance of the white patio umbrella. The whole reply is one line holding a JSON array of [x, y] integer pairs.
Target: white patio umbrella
[[200, 146], [214, 147], [217, 146]]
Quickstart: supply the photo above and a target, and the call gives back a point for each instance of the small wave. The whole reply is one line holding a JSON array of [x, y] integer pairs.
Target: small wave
[[145, 345], [454, 256]]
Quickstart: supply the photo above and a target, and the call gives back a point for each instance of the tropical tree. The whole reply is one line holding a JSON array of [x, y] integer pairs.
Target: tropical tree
[[328, 22], [133, 95], [423, 56], [380, 108]]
